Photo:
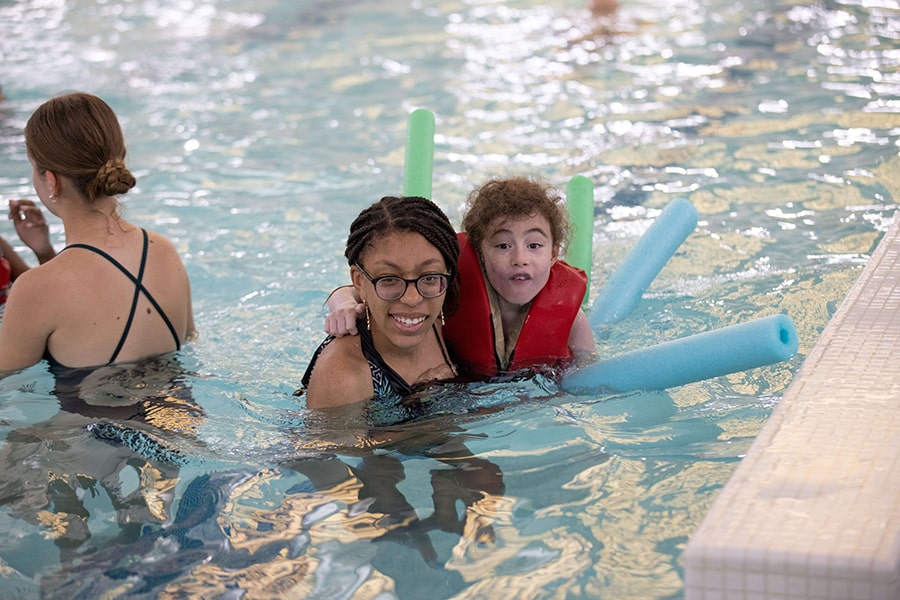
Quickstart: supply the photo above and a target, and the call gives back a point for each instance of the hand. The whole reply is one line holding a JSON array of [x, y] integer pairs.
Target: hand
[[343, 309], [342, 322], [32, 228]]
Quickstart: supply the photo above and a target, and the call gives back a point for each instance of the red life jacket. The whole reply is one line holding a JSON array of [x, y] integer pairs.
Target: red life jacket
[[5, 278], [544, 339]]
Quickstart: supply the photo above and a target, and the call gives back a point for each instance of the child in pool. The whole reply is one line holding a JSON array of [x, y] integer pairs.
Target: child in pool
[[520, 306]]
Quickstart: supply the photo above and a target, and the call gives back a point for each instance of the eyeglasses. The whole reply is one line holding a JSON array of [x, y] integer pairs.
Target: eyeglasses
[[391, 287]]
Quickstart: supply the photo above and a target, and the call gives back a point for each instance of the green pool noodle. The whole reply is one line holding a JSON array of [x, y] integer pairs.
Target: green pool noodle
[[625, 286], [580, 206], [757, 343], [419, 164]]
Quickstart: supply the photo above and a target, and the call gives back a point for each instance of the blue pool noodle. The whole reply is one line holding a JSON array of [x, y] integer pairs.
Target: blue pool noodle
[[580, 207], [419, 165], [624, 288], [693, 358]]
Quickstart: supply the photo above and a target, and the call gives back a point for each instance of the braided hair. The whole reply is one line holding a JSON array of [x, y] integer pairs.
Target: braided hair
[[413, 214], [78, 136]]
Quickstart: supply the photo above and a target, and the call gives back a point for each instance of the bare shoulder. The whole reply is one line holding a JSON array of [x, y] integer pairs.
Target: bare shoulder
[[49, 292], [165, 269], [158, 238], [163, 246], [41, 279], [30, 317], [340, 376]]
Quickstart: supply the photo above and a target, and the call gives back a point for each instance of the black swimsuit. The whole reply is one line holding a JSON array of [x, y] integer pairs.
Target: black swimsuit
[[386, 382], [138, 290]]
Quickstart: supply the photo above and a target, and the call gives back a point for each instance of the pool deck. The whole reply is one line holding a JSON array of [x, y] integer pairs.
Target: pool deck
[[813, 510]]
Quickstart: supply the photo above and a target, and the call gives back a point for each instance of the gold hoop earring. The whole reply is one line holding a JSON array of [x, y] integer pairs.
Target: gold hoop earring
[[368, 317], [52, 198]]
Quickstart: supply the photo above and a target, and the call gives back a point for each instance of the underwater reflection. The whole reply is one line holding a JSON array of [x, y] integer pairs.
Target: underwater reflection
[[131, 509], [370, 486], [111, 455], [315, 527]]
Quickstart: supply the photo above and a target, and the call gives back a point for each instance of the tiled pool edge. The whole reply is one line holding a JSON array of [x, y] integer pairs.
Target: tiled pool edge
[[813, 510]]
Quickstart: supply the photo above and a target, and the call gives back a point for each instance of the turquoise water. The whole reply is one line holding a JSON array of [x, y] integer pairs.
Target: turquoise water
[[258, 130]]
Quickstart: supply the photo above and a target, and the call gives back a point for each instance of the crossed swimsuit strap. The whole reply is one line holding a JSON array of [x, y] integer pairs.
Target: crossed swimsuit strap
[[138, 289]]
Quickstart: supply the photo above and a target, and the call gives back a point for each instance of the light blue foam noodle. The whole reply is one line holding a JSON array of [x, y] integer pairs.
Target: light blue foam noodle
[[627, 284], [419, 162], [580, 206], [732, 349]]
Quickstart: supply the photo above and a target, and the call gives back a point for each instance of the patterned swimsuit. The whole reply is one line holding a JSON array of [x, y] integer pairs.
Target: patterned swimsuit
[[386, 382]]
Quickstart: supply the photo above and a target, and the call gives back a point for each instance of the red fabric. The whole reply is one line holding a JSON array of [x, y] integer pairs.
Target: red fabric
[[5, 278], [544, 338]]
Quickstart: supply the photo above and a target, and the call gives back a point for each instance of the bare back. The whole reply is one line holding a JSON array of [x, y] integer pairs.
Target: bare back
[[81, 309]]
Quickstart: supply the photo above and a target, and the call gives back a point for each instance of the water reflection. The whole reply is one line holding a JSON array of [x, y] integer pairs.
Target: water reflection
[[315, 526], [113, 451], [263, 126], [464, 487]]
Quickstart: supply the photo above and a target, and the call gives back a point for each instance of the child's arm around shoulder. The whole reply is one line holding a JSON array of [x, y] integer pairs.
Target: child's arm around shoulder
[[344, 307]]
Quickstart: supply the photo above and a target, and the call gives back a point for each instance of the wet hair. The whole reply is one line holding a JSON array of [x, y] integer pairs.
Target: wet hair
[[78, 136], [413, 214], [514, 198]]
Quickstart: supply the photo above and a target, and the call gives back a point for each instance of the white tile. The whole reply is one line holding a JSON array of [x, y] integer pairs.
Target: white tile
[[814, 507]]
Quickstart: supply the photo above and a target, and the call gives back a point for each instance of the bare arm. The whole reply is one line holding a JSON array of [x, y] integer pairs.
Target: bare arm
[[581, 339], [25, 329], [191, 334]]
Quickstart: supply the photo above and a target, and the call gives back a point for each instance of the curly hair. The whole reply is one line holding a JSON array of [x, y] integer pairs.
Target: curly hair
[[514, 198], [413, 214], [78, 136]]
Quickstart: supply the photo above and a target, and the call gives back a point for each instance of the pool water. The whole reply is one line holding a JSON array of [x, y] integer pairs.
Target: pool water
[[258, 130]]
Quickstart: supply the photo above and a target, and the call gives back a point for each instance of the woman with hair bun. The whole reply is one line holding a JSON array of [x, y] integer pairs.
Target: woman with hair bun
[[116, 292]]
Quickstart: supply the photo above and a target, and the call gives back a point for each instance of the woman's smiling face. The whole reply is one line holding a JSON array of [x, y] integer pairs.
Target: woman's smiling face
[[402, 323]]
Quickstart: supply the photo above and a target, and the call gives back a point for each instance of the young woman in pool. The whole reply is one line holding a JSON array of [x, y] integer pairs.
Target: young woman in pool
[[520, 306], [403, 257], [116, 293]]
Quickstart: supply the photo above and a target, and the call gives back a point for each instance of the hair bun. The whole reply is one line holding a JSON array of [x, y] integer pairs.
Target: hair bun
[[113, 179]]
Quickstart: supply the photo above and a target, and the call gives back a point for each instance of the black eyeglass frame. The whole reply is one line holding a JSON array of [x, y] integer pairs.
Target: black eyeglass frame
[[375, 280]]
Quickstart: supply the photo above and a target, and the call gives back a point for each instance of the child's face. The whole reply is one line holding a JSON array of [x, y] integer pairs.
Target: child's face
[[518, 254]]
